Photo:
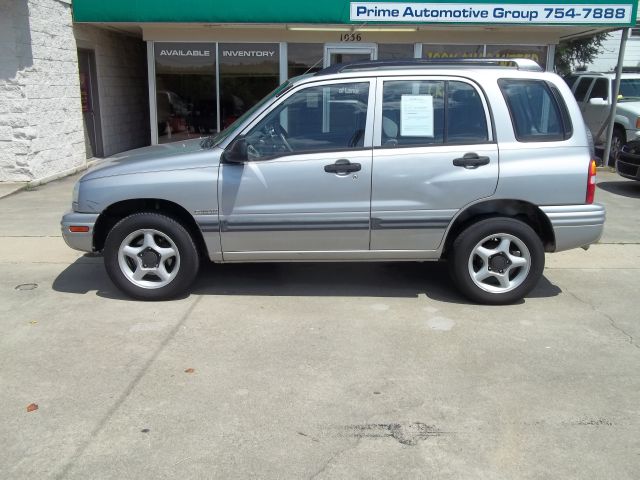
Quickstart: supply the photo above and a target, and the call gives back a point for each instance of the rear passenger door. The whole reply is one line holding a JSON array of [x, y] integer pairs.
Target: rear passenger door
[[434, 153]]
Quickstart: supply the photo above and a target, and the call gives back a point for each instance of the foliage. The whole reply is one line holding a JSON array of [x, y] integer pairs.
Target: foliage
[[575, 53]]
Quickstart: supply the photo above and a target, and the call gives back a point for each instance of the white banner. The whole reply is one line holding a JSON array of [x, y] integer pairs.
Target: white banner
[[491, 13]]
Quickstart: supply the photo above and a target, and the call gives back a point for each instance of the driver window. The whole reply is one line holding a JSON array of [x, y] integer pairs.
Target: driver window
[[316, 119]]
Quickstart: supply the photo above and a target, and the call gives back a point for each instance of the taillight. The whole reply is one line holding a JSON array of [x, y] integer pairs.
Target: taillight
[[591, 182]]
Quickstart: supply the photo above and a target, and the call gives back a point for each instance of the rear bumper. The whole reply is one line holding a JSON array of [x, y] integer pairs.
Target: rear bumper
[[82, 241], [576, 225]]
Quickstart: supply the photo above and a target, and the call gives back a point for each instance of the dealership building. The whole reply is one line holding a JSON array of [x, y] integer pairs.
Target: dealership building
[[81, 80]]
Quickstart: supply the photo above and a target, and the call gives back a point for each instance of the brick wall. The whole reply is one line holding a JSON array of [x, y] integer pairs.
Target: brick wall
[[41, 125]]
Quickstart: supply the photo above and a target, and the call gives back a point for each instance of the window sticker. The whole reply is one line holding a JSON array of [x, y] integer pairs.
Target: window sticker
[[416, 116], [313, 100]]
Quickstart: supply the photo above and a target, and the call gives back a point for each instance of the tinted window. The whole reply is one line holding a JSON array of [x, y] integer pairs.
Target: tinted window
[[248, 71], [534, 111], [582, 88], [630, 88], [395, 51], [466, 119], [329, 117], [304, 58], [428, 112], [600, 89], [570, 80], [185, 90]]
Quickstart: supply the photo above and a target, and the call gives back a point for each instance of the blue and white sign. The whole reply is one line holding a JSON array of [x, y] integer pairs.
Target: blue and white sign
[[490, 13]]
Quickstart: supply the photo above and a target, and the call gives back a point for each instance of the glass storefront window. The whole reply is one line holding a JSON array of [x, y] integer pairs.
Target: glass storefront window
[[248, 72], [304, 58], [185, 90], [452, 51], [536, 53], [395, 51]]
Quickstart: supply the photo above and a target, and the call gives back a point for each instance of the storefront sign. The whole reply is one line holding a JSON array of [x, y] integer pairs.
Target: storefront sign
[[491, 13], [248, 53], [184, 53]]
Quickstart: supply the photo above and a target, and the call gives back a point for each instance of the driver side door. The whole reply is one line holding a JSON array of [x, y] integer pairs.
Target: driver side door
[[304, 191]]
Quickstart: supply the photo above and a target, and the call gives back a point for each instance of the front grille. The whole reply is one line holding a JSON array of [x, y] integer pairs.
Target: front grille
[[628, 169]]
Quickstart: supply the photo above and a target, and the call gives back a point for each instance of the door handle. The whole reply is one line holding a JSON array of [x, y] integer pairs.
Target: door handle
[[470, 160], [342, 166]]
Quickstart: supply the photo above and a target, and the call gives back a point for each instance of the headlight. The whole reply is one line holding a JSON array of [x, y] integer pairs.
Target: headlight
[[76, 194]]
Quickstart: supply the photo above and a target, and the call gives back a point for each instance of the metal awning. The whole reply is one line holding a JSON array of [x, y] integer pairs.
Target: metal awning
[[599, 13]]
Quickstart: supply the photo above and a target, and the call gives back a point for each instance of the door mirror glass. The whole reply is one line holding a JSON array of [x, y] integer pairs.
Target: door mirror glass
[[237, 151], [597, 101]]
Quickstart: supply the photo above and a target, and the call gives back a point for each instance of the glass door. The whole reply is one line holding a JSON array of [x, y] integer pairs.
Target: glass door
[[339, 53]]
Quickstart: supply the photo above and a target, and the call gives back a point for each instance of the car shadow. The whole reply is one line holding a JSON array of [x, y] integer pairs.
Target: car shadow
[[626, 188], [381, 279]]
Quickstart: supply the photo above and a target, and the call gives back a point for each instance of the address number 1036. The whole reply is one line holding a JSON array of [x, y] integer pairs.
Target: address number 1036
[[350, 37]]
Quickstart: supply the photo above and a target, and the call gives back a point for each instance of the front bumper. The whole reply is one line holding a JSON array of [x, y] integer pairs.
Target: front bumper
[[576, 225], [82, 241], [628, 164]]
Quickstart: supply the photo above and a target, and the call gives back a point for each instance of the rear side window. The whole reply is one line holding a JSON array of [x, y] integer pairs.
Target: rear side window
[[582, 88], [600, 89], [536, 112], [432, 112]]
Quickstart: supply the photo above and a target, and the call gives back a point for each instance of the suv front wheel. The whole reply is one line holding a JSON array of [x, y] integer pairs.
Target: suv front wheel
[[150, 256], [497, 261]]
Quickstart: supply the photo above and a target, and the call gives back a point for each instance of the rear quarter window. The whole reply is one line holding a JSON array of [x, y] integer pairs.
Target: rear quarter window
[[538, 112]]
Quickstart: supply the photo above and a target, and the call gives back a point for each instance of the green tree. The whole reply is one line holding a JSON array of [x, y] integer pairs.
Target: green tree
[[574, 53]]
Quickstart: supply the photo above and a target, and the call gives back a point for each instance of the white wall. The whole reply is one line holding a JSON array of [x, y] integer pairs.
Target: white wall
[[41, 130], [607, 60], [41, 125]]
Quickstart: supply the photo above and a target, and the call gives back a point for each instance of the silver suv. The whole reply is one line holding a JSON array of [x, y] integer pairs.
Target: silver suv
[[479, 164]]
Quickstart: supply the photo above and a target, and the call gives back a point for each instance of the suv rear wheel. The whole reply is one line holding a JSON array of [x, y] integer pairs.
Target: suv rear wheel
[[150, 256], [497, 260]]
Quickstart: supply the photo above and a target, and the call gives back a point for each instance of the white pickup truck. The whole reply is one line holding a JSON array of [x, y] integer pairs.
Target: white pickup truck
[[593, 94]]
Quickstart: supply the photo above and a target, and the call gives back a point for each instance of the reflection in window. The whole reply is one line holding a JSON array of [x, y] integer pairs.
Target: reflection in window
[[248, 72], [185, 90], [452, 51], [536, 53], [395, 51], [316, 119], [534, 111], [304, 58]]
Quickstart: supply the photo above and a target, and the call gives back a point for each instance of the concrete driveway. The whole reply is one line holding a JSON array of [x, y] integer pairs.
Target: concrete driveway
[[317, 371]]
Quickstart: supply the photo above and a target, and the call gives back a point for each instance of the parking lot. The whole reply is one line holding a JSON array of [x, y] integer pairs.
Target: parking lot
[[317, 371]]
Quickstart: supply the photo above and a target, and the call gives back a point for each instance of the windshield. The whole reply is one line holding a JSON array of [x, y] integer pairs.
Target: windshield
[[630, 89], [214, 140]]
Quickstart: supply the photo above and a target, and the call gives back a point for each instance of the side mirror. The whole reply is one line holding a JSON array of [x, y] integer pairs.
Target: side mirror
[[236, 152], [597, 101]]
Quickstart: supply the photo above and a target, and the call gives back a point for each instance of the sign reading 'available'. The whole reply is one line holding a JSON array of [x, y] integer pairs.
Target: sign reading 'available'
[[491, 13]]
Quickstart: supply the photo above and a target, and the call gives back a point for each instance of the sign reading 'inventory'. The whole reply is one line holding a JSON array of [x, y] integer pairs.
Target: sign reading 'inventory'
[[491, 13]]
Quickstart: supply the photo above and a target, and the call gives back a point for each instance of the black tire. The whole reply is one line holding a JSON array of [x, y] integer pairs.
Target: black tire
[[500, 228], [618, 140], [187, 261]]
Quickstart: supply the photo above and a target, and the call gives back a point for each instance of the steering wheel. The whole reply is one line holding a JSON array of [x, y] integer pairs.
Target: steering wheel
[[282, 133]]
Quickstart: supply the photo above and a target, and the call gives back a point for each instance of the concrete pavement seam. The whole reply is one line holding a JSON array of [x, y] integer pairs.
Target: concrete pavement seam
[[125, 394], [612, 322]]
